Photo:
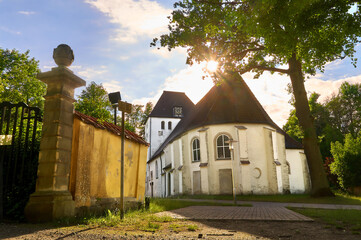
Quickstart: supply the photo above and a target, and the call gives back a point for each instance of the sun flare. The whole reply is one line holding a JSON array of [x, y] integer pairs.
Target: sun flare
[[212, 66]]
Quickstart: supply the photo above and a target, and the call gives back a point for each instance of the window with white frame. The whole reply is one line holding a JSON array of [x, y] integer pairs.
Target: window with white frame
[[222, 146], [162, 125], [196, 150], [170, 125]]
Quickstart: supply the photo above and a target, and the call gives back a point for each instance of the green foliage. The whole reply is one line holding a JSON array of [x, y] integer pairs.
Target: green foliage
[[339, 115], [93, 101], [347, 164], [345, 109], [136, 120], [260, 35], [139, 116], [192, 227], [293, 128], [321, 121], [18, 82]]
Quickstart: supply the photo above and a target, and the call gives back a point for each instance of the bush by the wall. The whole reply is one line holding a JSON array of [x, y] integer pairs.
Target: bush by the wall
[[347, 164]]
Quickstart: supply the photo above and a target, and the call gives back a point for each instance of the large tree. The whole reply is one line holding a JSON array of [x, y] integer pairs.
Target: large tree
[[345, 109], [18, 82], [289, 37], [93, 101], [138, 117]]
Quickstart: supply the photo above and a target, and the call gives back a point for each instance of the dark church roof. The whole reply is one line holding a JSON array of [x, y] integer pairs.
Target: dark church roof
[[230, 102], [169, 100]]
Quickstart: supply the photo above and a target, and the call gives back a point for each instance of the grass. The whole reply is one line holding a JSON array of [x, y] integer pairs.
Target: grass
[[340, 198], [143, 220], [146, 221], [341, 219]]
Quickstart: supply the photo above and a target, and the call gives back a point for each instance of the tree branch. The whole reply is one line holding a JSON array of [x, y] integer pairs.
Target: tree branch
[[219, 3], [264, 68], [243, 53]]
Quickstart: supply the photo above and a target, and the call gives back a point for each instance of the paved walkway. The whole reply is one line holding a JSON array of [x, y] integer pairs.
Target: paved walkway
[[280, 204], [265, 211], [235, 213]]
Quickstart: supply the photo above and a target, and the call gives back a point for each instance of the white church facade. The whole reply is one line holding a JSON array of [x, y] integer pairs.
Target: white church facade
[[225, 141]]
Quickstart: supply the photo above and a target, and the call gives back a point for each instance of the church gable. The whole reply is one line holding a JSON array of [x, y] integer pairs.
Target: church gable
[[172, 105]]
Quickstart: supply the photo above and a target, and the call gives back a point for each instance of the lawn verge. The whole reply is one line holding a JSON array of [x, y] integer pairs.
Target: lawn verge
[[342, 219]]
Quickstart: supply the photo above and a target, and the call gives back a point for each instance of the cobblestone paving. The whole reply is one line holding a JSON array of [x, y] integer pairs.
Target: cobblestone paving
[[235, 213]]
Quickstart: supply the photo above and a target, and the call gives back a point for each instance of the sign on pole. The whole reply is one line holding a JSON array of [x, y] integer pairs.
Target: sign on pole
[[124, 106]]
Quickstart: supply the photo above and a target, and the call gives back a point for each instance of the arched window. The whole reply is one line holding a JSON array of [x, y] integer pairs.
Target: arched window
[[162, 125], [223, 151], [156, 169], [196, 150], [170, 125]]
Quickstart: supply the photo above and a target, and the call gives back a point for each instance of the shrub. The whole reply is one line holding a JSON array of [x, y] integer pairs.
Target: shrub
[[347, 164]]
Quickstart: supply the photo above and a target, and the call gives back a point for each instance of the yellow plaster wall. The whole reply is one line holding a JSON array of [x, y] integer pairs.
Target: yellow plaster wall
[[95, 166]]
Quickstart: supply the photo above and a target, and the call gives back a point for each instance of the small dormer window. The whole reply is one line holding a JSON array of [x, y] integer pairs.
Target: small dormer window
[[170, 125], [162, 125], [177, 111]]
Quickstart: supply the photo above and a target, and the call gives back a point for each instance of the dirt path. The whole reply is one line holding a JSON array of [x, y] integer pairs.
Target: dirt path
[[215, 229]]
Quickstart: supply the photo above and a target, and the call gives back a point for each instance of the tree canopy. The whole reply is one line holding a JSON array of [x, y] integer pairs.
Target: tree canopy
[[337, 116], [345, 109], [138, 117], [18, 82], [93, 101], [288, 37]]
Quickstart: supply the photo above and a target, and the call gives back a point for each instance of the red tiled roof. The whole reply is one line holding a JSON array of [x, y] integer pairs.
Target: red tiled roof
[[110, 127]]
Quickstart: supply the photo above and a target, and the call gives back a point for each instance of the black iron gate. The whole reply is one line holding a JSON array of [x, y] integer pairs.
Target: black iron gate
[[20, 131]]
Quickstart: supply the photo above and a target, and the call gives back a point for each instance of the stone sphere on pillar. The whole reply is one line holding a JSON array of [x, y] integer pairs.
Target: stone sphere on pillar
[[63, 55]]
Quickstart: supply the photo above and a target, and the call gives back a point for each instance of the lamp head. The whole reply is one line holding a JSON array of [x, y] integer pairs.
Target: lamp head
[[114, 97]]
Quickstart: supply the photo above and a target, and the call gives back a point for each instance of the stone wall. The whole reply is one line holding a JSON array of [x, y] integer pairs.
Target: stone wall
[[95, 169]]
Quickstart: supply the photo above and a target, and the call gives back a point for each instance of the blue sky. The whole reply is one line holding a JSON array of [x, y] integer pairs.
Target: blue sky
[[110, 40]]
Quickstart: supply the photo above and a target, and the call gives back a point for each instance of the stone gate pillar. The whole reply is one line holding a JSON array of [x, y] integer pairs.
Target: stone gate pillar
[[52, 198]]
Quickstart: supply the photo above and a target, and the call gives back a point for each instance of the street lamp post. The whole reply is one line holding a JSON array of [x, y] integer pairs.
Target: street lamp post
[[231, 148], [125, 108]]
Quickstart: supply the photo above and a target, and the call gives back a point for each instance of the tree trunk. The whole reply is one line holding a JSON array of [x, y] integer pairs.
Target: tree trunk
[[319, 183]]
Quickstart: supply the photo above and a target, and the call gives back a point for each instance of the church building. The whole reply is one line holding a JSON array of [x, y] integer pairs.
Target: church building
[[226, 141]]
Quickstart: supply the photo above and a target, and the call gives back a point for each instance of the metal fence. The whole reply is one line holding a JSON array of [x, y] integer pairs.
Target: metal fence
[[20, 131]]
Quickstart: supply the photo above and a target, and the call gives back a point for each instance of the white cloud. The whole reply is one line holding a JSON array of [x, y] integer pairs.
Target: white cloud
[[337, 64], [327, 88], [188, 80], [5, 29], [26, 12], [90, 73], [271, 91], [112, 86], [123, 58], [135, 18]]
